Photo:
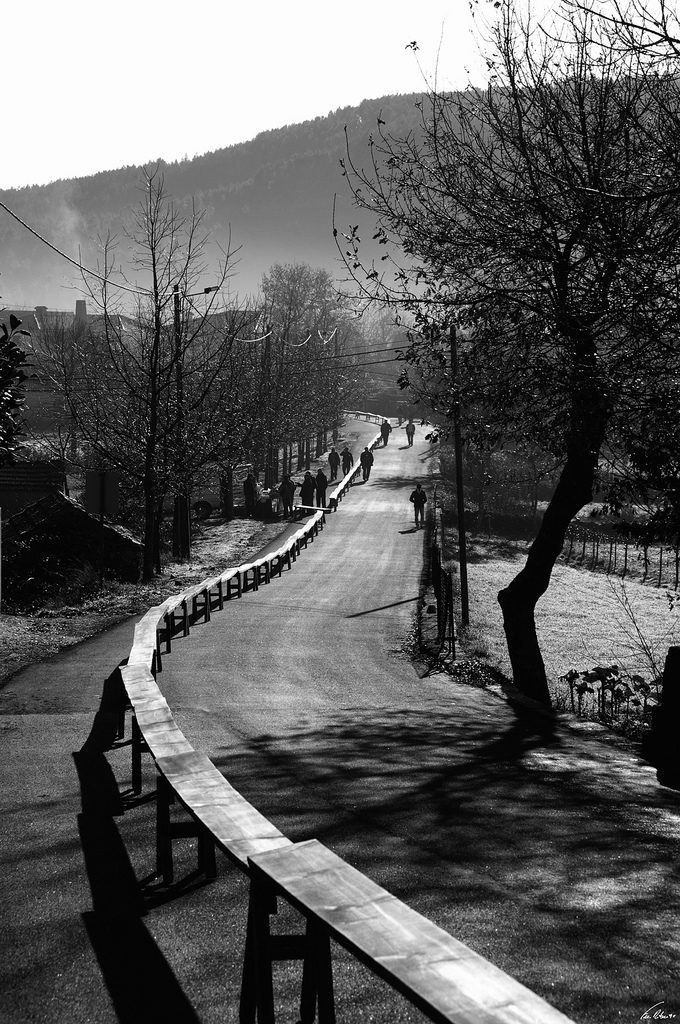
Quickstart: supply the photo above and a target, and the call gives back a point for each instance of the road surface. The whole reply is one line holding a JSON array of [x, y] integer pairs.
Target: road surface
[[550, 853]]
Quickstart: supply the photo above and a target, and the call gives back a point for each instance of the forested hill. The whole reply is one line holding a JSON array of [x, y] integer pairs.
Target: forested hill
[[275, 192]]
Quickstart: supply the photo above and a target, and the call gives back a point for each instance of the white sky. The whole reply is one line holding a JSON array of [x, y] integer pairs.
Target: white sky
[[90, 86]]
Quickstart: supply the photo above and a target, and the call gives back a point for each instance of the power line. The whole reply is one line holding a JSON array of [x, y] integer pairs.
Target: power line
[[364, 352], [81, 268], [349, 366], [374, 362]]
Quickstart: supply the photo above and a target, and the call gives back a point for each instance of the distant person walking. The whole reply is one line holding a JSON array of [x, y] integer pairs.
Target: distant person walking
[[334, 463], [250, 493], [366, 460], [307, 489], [418, 499], [321, 485], [385, 431], [410, 431], [347, 460], [286, 492]]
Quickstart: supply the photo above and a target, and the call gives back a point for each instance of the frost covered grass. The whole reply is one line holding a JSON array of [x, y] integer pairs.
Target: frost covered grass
[[585, 618]]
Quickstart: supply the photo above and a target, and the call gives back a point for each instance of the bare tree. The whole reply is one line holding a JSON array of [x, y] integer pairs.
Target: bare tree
[[649, 30], [541, 216], [140, 381]]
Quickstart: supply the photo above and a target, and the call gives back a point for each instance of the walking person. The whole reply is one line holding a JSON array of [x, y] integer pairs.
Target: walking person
[[366, 460], [410, 431], [321, 485], [347, 460], [385, 431], [286, 492], [250, 493], [418, 499], [307, 489], [334, 463]]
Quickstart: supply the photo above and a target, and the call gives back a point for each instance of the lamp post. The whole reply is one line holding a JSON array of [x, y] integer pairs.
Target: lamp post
[[181, 526]]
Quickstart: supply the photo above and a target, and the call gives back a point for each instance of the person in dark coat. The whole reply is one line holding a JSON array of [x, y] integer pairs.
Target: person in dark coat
[[410, 431], [321, 485], [286, 492], [307, 489], [347, 460], [334, 463], [250, 493], [418, 499], [366, 460], [385, 431]]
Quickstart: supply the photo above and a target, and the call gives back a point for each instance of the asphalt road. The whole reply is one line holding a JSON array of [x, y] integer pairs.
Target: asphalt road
[[547, 851], [326, 635]]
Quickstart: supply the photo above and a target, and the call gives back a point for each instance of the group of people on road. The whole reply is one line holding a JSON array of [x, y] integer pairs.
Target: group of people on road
[[335, 460], [313, 488], [418, 497], [312, 491], [386, 430]]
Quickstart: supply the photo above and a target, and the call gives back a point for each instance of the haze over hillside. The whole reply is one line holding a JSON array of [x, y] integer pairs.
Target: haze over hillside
[[274, 192]]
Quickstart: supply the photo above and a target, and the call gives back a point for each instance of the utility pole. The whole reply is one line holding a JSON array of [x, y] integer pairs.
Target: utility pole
[[462, 548], [269, 429], [181, 525], [336, 413], [181, 530]]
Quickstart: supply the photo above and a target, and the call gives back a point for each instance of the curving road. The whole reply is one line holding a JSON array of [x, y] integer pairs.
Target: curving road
[[325, 635], [530, 843], [550, 853]]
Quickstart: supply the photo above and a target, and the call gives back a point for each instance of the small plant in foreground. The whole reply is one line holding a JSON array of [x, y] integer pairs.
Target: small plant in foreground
[[615, 698]]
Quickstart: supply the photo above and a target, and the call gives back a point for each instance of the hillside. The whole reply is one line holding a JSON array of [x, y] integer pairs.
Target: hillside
[[275, 192]]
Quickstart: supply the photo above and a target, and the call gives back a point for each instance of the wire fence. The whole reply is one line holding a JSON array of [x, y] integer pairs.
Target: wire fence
[[601, 548], [442, 585]]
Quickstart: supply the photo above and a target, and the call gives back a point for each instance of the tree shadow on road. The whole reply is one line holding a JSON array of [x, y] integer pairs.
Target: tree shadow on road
[[507, 832], [400, 483]]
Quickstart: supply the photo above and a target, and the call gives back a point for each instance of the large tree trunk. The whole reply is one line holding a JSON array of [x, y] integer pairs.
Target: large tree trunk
[[227, 492], [181, 525], [518, 600]]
